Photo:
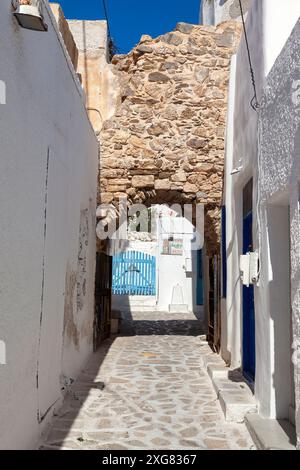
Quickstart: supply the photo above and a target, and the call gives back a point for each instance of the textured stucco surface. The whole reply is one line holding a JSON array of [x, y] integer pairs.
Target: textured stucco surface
[[216, 11], [65, 32], [97, 78], [48, 175], [264, 146], [280, 165], [165, 141]]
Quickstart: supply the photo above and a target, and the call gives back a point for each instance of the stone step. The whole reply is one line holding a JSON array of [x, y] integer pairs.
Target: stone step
[[271, 434], [140, 308], [212, 359], [222, 383]]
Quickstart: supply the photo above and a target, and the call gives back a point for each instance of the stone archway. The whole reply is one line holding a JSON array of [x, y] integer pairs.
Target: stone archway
[[165, 142]]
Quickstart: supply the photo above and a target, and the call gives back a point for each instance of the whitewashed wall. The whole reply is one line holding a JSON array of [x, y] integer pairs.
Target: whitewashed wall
[[48, 177], [280, 175], [268, 25], [170, 271]]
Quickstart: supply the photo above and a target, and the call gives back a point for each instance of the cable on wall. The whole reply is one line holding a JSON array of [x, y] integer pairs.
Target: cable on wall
[[254, 102], [106, 17]]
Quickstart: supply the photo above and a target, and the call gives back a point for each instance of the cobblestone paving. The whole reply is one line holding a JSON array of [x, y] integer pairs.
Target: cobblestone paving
[[147, 389]]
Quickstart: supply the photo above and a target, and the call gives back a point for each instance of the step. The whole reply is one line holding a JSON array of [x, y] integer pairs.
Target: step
[[217, 370], [271, 434], [222, 383], [141, 308], [212, 358]]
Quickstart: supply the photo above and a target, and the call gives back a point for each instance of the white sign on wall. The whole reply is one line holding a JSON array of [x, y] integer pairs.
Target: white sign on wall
[[2, 92], [172, 247], [2, 353]]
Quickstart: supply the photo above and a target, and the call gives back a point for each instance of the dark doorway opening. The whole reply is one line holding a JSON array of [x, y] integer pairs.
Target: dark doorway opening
[[248, 292]]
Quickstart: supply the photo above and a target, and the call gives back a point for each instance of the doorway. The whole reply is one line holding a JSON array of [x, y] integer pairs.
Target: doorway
[[214, 311], [248, 292]]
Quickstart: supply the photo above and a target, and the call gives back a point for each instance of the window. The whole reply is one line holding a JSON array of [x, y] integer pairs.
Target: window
[[224, 257]]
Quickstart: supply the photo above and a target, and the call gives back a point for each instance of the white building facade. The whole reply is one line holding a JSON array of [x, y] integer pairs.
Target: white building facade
[[177, 260], [213, 12], [260, 323], [48, 190]]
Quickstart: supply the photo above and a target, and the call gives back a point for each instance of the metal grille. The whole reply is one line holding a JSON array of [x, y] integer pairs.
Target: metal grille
[[102, 298]]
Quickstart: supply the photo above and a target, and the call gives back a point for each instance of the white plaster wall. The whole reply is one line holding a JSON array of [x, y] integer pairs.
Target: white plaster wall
[[48, 175], [268, 25], [172, 272], [101, 83], [134, 303], [127, 303], [230, 322], [280, 174], [278, 25]]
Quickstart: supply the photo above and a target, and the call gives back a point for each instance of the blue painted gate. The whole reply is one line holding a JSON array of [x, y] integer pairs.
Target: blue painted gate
[[248, 309], [134, 273]]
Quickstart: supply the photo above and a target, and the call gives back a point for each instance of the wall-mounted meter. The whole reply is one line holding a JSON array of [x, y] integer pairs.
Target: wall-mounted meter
[[245, 269], [249, 268]]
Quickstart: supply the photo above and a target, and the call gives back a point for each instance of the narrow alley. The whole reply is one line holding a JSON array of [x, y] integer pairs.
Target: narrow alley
[[145, 389]]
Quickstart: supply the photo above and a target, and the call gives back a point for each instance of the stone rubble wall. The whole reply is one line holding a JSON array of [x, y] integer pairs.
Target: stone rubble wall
[[64, 30], [165, 142]]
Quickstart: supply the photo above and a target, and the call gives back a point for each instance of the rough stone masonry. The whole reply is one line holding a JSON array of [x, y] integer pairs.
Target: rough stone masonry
[[165, 142]]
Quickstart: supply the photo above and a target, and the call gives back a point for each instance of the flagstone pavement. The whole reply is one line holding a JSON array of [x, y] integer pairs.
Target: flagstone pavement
[[146, 389]]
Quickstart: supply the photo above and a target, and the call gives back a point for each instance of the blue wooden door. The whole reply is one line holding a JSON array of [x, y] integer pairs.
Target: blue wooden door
[[134, 273], [248, 308]]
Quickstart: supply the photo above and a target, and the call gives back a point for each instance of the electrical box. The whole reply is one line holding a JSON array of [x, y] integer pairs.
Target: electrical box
[[245, 269], [249, 268], [254, 268]]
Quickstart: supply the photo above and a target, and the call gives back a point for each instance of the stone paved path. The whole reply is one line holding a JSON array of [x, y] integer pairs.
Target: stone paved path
[[147, 390]]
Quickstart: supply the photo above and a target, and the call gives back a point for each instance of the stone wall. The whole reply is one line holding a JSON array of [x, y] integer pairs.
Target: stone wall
[[213, 12], [165, 142], [64, 30], [96, 73]]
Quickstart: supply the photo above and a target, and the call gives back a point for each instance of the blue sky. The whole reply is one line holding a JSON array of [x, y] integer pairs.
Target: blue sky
[[129, 19]]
